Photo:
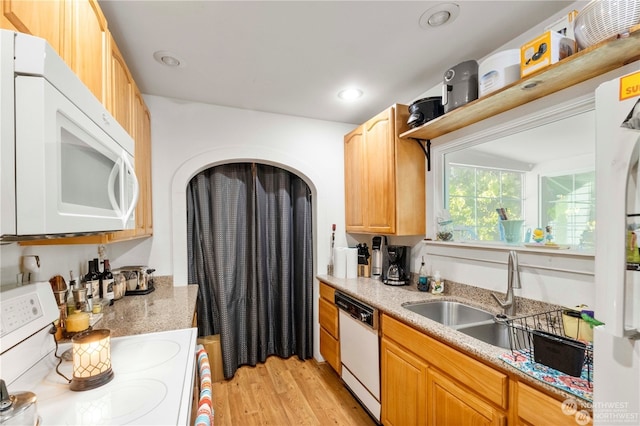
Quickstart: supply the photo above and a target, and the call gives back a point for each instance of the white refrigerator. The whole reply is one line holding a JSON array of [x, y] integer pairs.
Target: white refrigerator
[[617, 275]]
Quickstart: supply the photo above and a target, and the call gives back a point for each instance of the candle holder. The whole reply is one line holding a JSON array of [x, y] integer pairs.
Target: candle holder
[[91, 359]]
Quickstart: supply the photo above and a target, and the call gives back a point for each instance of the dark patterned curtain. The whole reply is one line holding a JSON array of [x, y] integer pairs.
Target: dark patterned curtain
[[250, 251]]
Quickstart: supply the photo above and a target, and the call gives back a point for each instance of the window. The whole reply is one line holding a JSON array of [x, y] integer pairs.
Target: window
[[473, 195], [568, 204]]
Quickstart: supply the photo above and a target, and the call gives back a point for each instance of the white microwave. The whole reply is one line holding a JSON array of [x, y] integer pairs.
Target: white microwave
[[67, 166]]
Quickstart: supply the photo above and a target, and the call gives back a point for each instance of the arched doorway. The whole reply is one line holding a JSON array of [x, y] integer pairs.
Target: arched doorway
[[250, 249]]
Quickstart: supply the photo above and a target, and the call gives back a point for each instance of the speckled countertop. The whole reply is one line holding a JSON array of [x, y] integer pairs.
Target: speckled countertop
[[390, 300], [166, 308]]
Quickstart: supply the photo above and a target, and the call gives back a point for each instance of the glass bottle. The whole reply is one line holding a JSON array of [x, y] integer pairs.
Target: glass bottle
[[423, 279], [92, 278], [107, 283]]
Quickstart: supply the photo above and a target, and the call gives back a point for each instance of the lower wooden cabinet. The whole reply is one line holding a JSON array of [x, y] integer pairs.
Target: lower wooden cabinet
[[536, 408], [404, 386], [452, 404], [329, 332], [426, 382]]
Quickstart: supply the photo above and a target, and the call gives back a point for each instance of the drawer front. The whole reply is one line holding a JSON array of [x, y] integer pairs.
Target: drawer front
[[330, 349], [484, 380], [328, 317], [327, 292], [537, 408]]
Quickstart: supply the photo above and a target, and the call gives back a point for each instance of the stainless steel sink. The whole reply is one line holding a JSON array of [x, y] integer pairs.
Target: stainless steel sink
[[449, 313], [493, 333]]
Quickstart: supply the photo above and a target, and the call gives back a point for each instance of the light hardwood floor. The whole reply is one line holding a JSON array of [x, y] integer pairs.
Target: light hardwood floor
[[286, 392]]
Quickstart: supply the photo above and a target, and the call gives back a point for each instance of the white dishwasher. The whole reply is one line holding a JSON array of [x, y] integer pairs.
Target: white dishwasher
[[360, 351]]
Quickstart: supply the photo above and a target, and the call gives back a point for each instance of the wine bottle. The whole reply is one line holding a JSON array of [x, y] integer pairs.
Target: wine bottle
[[107, 283], [93, 279]]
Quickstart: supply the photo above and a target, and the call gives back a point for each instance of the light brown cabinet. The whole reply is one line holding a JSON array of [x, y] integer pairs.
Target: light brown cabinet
[[536, 408], [354, 180], [88, 39], [425, 381], [329, 333], [404, 386], [120, 88], [142, 135], [452, 404], [384, 177], [39, 18]]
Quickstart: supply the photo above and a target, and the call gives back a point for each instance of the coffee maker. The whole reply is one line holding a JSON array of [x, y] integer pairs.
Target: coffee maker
[[398, 271]]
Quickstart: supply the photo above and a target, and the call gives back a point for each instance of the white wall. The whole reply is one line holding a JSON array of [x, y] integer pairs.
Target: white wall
[[190, 137]]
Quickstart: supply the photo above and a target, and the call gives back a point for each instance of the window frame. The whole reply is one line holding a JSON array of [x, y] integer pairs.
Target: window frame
[[534, 114]]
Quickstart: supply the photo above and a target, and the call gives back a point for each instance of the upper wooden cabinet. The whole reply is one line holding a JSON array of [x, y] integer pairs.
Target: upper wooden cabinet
[[384, 177], [142, 135], [39, 18], [120, 88], [88, 39], [354, 180]]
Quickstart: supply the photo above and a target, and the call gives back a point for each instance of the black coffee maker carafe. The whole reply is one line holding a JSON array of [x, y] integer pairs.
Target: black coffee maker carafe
[[398, 271]]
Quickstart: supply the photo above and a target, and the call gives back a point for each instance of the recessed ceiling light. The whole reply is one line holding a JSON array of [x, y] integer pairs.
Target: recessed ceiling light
[[438, 15], [350, 94], [167, 58]]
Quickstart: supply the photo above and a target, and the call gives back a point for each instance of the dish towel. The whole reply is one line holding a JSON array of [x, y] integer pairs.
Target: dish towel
[[582, 387], [204, 416]]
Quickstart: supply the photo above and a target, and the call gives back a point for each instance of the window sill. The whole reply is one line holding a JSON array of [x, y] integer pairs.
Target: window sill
[[572, 261], [498, 246]]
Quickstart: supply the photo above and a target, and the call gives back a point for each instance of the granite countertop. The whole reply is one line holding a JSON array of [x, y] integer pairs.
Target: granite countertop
[[390, 299], [166, 308]]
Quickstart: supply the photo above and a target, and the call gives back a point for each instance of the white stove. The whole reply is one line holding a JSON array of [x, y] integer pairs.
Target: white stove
[[153, 373]]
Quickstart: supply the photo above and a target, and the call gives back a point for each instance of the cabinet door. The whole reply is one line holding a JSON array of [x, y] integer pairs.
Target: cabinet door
[[379, 136], [328, 317], [120, 88], [88, 46], [404, 386], [330, 349], [354, 181], [39, 18], [536, 408], [142, 124], [452, 404]]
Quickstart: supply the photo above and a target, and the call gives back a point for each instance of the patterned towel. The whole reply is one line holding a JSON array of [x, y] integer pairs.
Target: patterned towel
[[582, 386], [204, 416]]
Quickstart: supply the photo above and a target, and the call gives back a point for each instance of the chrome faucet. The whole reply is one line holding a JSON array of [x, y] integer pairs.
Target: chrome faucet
[[513, 281]]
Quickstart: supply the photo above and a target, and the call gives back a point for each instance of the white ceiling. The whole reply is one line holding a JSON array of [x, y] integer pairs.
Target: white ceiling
[[292, 57]]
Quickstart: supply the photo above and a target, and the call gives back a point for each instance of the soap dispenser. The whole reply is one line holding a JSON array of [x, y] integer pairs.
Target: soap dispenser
[[437, 286]]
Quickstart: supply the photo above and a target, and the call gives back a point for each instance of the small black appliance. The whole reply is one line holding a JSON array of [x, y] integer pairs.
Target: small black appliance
[[424, 110], [398, 271]]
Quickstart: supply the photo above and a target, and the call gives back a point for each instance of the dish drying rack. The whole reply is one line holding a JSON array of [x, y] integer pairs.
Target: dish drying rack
[[541, 338]]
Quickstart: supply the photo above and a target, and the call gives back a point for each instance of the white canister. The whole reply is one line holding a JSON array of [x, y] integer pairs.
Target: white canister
[[498, 71]]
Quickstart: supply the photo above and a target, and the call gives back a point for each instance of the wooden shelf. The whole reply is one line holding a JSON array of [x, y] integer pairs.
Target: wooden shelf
[[582, 66]]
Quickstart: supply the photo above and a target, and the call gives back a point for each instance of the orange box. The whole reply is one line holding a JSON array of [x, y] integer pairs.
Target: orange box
[[544, 50]]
